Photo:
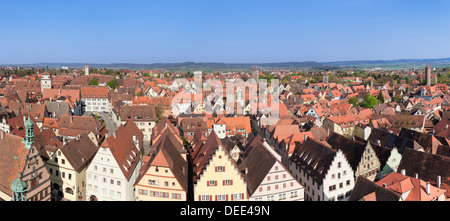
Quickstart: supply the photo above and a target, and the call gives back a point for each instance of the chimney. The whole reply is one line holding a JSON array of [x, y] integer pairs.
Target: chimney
[[246, 170], [306, 137], [71, 119], [114, 135], [403, 172], [438, 181], [428, 188], [416, 175], [384, 185], [2, 134]]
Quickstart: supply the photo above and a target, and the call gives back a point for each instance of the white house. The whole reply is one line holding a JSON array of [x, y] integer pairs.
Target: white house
[[95, 99], [271, 180], [325, 173], [115, 168]]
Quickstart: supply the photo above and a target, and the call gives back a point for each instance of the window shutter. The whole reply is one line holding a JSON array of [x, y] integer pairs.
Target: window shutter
[[216, 197], [231, 182], [210, 197], [199, 198], [207, 183], [242, 195], [231, 197], [227, 197], [223, 169], [215, 182], [223, 182]]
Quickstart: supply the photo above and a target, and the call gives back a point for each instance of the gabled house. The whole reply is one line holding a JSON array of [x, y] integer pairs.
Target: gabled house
[[266, 177], [67, 167], [115, 168], [164, 177], [325, 173], [360, 155], [216, 176]]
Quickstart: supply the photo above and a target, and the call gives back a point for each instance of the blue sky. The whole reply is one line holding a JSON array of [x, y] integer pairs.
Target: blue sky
[[236, 31]]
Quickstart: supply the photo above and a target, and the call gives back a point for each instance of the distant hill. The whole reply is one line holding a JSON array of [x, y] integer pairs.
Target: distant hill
[[217, 66]]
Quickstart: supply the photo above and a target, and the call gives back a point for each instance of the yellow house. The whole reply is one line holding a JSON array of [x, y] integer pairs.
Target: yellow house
[[216, 176], [164, 176], [67, 167]]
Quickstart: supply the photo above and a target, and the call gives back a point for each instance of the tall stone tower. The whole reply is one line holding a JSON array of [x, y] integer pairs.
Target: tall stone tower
[[86, 69], [325, 78], [255, 74], [29, 134], [428, 75]]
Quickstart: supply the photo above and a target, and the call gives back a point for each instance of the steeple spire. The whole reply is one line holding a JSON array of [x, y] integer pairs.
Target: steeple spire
[[29, 135]]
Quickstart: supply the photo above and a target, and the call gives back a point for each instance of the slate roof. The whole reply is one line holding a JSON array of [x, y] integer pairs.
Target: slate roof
[[315, 158], [391, 140], [366, 190], [258, 161], [79, 151], [352, 149], [427, 166]]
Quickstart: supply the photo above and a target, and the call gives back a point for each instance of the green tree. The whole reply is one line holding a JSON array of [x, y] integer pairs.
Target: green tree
[[113, 83], [94, 82], [369, 101], [159, 111], [397, 97], [353, 101], [380, 98]]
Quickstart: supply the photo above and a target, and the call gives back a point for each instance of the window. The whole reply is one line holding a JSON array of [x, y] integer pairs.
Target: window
[[238, 196], [220, 169], [212, 183], [227, 182], [112, 171], [153, 182], [118, 183], [293, 194], [166, 183], [70, 176], [112, 181], [222, 197], [205, 198], [119, 195]]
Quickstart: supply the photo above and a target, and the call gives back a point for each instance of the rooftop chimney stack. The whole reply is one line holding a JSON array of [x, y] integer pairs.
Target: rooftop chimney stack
[[403, 172], [416, 175], [428, 188]]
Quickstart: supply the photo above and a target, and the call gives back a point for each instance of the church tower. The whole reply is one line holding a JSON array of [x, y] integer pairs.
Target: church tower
[[29, 134]]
